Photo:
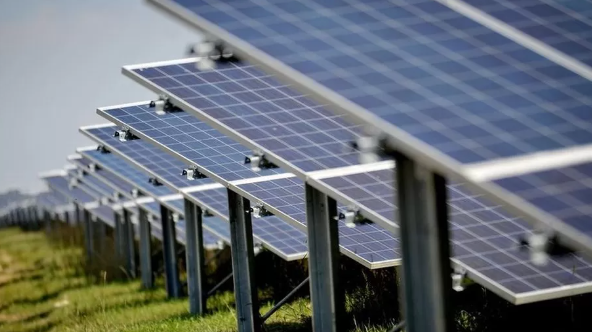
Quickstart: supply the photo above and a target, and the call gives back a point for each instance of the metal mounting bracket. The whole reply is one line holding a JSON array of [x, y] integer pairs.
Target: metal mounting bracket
[[258, 162], [192, 173]]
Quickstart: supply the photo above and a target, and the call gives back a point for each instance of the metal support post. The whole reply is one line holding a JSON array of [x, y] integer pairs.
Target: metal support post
[[195, 259], [47, 220], [100, 234], [145, 250], [119, 252], [169, 249], [77, 216], [326, 294], [88, 235], [243, 267], [66, 217], [423, 216], [129, 244]]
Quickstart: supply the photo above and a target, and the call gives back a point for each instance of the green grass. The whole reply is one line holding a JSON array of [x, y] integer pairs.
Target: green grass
[[43, 287]]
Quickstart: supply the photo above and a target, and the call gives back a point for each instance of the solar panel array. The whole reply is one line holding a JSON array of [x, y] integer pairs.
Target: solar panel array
[[433, 79], [259, 108], [146, 156], [61, 185], [485, 238], [105, 213], [365, 244], [118, 165], [275, 234], [465, 90]]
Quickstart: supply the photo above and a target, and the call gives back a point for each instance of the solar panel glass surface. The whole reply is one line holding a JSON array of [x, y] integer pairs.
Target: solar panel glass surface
[[125, 170], [367, 243], [105, 213], [190, 138], [143, 154], [60, 184], [467, 91], [484, 239], [271, 231], [563, 25], [565, 193]]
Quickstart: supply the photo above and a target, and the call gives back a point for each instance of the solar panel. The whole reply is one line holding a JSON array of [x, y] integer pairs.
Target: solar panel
[[368, 244], [189, 138], [562, 25], [565, 193], [485, 240], [105, 213], [275, 234], [60, 184], [464, 94], [144, 122], [466, 91], [98, 186], [124, 170], [143, 155], [112, 181], [210, 236]]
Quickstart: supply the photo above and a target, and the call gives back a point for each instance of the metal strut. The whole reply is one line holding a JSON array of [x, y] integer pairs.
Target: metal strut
[[278, 305]]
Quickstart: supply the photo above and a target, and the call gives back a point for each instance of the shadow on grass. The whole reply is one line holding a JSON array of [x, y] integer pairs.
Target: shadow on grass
[[288, 326]]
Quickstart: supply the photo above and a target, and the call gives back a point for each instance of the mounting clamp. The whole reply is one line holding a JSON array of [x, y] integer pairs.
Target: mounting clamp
[[351, 216], [104, 201], [81, 172], [257, 248], [154, 182], [135, 193], [125, 134], [162, 105], [369, 147], [92, 167], [221, 245], [258, 162], [116, 195], [209, 52], [192, 173], [459, 279], [175, 217], [258, 211], [103, 149], [207, 213]]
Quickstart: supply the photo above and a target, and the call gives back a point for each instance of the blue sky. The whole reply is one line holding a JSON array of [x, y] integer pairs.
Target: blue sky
[[59, 61]]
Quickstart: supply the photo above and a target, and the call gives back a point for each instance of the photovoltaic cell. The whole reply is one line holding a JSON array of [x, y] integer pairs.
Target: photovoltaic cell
[[105, 213], [285, 239], [143, 154], [107, 177], [563, 25], [210, 240], [461, 88], [190, 138], [485, 240], [565, 193], [368, 243], [261, 109], [125, 170], [60, 184], [93, 182]]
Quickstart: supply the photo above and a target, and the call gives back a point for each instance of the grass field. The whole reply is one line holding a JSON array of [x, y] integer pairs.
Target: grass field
[[43, 287]]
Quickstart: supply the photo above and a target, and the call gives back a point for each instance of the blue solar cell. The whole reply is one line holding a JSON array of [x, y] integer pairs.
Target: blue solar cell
[[484, 238], [61, 185], [453, 81], [366, 243], [565, 193], [558, 24], [94, 183], [177, 205], [152, 207], [274, 117], [105, 176], [271, 231], [125, 170], [105, 213], [142, 154], [210, 240], [193, 140]]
